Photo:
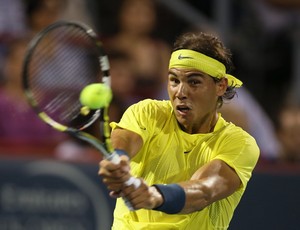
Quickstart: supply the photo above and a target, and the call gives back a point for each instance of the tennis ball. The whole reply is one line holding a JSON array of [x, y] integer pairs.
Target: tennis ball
[[95, 96]]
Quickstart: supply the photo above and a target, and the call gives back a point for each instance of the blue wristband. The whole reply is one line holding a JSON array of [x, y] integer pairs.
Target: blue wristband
[[121, 152], [174, 198]]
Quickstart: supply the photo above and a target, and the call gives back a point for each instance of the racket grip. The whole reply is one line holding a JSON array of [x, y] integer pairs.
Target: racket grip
[[136, 183], [133, 181], [115, 158]]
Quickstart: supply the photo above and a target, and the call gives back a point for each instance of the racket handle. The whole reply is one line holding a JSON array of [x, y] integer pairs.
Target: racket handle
[[136, 183], [115, 158], [133, 181]]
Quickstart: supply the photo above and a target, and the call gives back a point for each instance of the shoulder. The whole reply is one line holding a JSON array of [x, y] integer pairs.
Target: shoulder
[[234, 137], [239, 150], [151, 106], [151, 113], [239, 133], [231, 130], [242, 143]]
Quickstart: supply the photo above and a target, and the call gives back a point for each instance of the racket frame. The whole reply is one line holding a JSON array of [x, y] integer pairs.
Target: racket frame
[[105, 148]]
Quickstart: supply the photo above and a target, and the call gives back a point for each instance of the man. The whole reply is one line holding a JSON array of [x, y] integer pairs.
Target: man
[[194, 165]]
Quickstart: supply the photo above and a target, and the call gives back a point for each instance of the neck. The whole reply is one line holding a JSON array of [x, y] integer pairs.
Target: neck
[[213, 122], [206, 125]]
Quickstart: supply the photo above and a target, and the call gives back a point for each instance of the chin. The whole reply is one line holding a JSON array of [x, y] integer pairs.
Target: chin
[[182, 121]]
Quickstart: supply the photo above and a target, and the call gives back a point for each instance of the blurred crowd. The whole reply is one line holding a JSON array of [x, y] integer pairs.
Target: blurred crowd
[[138, 36]]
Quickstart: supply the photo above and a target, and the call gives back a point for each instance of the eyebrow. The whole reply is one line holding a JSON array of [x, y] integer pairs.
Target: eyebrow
[[189, 74]]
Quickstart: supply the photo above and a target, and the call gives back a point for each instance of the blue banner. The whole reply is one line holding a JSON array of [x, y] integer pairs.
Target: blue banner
[[51, 195]]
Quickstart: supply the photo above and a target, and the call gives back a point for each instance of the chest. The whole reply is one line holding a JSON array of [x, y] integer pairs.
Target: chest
[[171, 157]]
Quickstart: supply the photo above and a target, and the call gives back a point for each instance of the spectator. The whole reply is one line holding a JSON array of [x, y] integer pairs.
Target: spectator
[[41, 13], [137, 20], [19, 125], [11, 19], [122, 83], [267, 69], [289, 133], [12, 24]]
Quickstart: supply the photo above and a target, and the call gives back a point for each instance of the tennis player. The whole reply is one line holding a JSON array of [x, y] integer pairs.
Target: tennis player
[[193, 165]]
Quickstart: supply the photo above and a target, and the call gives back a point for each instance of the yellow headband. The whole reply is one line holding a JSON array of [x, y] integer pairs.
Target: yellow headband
[[185, 58]]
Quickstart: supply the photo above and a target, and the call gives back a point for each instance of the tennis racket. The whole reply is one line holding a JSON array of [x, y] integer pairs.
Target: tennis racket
[[60, 61]]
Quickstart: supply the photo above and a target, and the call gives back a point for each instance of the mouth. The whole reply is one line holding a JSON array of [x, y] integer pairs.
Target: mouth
[[183, 109]]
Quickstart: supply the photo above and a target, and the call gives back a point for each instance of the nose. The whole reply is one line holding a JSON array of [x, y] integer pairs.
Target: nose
[[181, 92]]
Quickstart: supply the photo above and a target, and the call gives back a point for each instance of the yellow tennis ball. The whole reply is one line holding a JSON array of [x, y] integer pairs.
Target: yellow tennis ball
[[95, 96]]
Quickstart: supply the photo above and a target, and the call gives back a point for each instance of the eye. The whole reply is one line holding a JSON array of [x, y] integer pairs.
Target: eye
[[194, 82], [173, 80]]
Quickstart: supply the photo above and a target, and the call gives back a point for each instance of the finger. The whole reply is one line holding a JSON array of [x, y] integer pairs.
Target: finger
[[142, 197], [124, 158], [108, 165], [111, 170], [115, 179], [134, 194], [117, 174], [114, 194], [139, 201]]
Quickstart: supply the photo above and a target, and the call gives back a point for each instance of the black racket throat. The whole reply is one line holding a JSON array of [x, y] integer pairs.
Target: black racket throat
[[89, 139]]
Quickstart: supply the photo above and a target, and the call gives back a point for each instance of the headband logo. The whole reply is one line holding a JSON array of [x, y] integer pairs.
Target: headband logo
[[180, 57]]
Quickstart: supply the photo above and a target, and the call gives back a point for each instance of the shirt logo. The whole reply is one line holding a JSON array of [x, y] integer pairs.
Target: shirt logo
[[180, 57], [186, 152]]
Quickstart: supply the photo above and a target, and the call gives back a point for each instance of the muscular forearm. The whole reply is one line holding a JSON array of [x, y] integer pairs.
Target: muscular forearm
[[198, 195], [210, 183]]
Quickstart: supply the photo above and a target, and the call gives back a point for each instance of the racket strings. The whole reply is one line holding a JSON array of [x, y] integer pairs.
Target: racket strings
[[64, 61]]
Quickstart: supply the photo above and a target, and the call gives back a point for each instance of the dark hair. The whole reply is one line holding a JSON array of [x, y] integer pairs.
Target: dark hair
[[211, 46]]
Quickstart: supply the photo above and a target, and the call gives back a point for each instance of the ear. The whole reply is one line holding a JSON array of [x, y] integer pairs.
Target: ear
[[221, 86]]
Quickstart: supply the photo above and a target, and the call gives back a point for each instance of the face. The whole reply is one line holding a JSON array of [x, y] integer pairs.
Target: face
[[194, 97], [138, 16]]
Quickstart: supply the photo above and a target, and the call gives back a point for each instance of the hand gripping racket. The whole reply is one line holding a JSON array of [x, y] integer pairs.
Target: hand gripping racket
[[60, 61]]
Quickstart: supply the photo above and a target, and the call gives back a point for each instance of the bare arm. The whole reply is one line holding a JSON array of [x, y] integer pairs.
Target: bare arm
[[127, 141], [212, 182]]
